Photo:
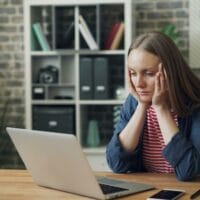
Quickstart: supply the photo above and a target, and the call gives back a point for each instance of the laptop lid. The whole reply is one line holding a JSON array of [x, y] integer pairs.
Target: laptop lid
[[57, 161]]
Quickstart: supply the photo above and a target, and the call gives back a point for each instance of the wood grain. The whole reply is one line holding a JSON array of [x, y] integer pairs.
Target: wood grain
[[19, 185]]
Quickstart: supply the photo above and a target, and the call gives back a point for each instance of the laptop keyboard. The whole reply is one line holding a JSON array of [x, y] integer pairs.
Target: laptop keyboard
[[108, 189]]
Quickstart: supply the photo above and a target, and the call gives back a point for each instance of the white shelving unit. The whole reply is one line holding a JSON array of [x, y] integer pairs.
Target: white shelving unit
[[66, 58]]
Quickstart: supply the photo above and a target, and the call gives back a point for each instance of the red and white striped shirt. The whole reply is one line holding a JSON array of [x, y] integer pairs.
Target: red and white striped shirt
[[153, 144]]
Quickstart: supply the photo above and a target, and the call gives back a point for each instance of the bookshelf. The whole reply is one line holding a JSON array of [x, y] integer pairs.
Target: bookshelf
[[73, 80]]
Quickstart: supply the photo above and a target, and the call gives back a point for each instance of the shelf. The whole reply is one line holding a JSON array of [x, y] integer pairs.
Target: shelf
[[91, 79], [53, 53], [81, 52], [95, 150], [101, 52], [55, 102], [101, 102], [71, 102]]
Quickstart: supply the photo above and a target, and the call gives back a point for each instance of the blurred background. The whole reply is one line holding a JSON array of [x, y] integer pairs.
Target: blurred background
[[149, 15]]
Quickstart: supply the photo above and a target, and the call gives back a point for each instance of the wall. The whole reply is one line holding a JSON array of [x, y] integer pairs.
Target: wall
[[150, 15], [155, 14], [11, 76]]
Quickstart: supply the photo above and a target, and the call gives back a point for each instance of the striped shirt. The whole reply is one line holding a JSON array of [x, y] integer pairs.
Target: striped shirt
[[153, 144]]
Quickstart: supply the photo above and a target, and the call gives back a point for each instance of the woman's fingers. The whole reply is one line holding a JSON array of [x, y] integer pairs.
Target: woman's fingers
[[131, 86], [157, 83], [160, 91], [161, 83]]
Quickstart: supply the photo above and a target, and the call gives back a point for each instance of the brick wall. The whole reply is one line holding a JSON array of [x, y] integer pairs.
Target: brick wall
[[11, 77], [150, 15], [155, 14]]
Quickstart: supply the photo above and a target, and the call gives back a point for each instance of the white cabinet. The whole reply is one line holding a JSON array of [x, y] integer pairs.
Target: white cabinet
[[55, 98]]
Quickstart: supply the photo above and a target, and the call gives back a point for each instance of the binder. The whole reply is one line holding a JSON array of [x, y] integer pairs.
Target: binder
[[101, 78], [86, 78]]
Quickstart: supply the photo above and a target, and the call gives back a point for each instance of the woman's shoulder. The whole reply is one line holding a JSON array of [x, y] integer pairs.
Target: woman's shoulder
[[130, 100], [196, 113], [130, 104]]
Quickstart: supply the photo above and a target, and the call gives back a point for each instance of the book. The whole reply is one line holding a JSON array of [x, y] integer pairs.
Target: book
[[41, 38], [111, 34], [118, 37], [65, 37], [87, 35], [69, 34]]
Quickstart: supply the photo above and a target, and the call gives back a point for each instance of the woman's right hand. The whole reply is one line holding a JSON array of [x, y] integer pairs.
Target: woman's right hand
[[132, 90], [131, 87]]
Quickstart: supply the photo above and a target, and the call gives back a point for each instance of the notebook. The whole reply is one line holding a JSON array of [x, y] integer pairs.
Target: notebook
[[56, 161]]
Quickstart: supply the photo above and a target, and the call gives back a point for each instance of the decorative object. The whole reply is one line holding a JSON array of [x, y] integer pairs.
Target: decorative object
[[116, 114], [170, 31], [93, 138], [120, 93]]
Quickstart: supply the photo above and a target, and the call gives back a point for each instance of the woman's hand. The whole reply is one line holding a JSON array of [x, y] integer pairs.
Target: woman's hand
[[132, 90], [160, 97], [131, 86]]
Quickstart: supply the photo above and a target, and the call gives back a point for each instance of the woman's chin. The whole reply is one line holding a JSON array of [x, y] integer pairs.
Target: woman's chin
[[145, 99]]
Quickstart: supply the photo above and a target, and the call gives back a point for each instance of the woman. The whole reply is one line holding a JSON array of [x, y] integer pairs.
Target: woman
[[159, 125]]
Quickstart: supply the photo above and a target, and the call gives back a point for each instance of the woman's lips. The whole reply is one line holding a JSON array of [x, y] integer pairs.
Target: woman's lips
[[143, 93]]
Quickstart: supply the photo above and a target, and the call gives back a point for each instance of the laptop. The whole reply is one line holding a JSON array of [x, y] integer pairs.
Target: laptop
[[56, 160]]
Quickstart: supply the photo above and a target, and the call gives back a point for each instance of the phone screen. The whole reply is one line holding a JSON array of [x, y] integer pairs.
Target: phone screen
[[167, 194]]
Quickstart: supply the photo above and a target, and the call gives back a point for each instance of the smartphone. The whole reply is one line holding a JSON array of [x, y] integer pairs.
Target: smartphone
[[167, 194]]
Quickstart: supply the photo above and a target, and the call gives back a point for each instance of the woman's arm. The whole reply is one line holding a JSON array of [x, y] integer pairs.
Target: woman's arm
[[130, 135], [183, 142], [119, 158], [183, 151], [160, 102], [167, 123]]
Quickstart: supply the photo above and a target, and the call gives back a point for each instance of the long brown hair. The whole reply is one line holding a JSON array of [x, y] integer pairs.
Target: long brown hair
[[184, 86]]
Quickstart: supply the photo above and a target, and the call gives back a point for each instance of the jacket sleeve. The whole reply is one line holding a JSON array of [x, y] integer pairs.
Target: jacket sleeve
[[183, 151], [119, 160]]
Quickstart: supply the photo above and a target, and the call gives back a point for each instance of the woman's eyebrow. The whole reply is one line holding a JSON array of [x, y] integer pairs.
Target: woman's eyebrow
[[131, 67]]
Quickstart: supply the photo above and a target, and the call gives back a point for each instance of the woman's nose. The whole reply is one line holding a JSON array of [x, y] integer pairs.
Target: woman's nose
[[140, 82]]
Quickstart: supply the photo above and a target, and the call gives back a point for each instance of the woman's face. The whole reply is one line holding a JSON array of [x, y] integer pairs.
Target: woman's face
[[143, 67]]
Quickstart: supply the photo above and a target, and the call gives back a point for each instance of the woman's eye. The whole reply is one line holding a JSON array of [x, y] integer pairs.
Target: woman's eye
[[149, 74], [133, 73]]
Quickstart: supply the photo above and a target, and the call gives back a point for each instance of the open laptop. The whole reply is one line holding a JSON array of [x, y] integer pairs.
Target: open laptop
[[57, 161]]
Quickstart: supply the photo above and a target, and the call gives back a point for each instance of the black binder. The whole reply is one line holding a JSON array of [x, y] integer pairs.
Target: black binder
[[101, 78], [86, 78]]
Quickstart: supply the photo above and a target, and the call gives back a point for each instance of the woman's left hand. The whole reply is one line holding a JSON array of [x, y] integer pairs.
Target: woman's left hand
[[160, 97]]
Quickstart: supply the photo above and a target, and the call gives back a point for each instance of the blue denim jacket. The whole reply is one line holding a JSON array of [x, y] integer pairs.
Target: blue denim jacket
[[182, 152]]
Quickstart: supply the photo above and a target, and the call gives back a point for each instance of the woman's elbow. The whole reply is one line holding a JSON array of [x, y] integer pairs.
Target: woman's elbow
[[186, 175]]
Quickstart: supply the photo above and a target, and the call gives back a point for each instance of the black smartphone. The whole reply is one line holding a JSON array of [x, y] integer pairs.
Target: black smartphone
[[167, 194]]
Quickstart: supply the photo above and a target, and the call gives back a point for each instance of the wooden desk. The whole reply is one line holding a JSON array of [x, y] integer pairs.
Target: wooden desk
[[18, 185]]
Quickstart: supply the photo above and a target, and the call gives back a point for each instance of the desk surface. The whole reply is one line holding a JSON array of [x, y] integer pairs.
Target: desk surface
[[18, 185]]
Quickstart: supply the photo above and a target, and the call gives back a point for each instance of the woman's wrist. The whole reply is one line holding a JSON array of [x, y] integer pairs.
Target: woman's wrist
[[161, 108], [143, 106]]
